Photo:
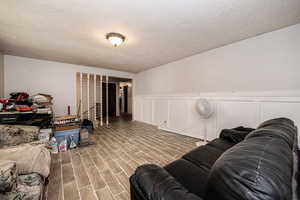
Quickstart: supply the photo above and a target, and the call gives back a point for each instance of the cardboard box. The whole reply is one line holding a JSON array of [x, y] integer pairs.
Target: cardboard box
[[44, 137], [66, 127], [84, 134]]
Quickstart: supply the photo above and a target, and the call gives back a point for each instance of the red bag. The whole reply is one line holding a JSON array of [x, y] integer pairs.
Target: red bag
[[23, 108]]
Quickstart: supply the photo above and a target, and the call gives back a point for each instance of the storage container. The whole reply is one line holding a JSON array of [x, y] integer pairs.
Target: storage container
[[88, 124], [61, 135], [44, 137]]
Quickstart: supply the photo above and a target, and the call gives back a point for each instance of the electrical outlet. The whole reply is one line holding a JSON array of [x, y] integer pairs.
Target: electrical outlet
[[163, 124]]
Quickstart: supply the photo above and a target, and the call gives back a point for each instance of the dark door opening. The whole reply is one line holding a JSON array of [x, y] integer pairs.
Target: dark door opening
[[126, 99], [111, 99]]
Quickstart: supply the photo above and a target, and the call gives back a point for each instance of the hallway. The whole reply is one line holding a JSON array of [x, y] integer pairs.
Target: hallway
[[101, 171]]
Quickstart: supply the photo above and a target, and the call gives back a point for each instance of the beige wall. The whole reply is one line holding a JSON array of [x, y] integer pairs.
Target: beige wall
[[264, 63], [1, 75]]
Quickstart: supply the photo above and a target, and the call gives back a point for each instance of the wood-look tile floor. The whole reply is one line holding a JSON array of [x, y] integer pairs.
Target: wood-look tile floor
[[102, 171]]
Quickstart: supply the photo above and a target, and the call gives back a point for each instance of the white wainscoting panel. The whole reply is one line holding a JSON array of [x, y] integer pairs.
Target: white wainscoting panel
[[278, 109], [195, 127], [137, 112], [235, 113], [178, 113], [160, 113], [147, 111]]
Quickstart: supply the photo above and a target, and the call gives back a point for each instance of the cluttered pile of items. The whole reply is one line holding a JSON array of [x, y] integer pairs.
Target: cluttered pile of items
[[22, 102], [69, 133], [42, 103], [23, 109], [25, 129], [66, 135], [28, 130], [25, 118]]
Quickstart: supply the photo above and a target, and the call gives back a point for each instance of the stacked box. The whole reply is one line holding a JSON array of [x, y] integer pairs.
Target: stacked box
[[66, 135], [67, 127], [45, 134], [67, 121], [84, 136]]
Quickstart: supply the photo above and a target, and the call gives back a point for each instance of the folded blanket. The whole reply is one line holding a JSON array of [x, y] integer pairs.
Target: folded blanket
[[235, 135], [29, 158]]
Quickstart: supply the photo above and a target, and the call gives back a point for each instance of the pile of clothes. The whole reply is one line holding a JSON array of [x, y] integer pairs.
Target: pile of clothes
[[42, 103], [21, 101], [23, 170], [18, 101]]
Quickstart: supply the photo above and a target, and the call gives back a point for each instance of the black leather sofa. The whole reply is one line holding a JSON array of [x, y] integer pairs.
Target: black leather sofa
[[260, 165]]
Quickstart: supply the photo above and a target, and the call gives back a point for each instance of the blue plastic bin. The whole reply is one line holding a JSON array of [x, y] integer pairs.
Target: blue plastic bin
[[61, 135]]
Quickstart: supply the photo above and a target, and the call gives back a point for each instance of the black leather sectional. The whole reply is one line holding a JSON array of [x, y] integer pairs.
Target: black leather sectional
[[243, 164]]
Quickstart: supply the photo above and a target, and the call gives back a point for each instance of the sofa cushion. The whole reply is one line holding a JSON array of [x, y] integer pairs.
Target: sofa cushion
[[192, 177], [244, 129], [153, 182], [258, 168], [281, 121], [235, 135], [200, 158], [281, 131], [221, 144]]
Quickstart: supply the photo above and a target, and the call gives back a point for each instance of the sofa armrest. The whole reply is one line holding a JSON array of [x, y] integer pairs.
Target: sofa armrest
[[151, 182]]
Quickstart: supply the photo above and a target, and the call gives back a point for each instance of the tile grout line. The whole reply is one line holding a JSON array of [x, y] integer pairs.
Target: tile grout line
[[104, 161], [61, 177], [88, 175], [75, 176], [106, 165]]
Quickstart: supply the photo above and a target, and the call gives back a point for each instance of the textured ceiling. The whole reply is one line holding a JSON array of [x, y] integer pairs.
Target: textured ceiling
[[157, 31]]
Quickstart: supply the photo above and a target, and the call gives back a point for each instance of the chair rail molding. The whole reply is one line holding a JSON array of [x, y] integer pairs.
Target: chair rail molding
[[177, 113]]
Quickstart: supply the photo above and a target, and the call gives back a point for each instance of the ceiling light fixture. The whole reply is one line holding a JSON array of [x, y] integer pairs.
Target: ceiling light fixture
[[115, 38]]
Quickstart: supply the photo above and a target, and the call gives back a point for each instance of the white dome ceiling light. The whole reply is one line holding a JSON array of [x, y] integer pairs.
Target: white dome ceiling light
[[115, 38]]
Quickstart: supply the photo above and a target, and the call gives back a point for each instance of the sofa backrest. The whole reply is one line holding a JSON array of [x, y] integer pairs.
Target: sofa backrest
[[258, 168]]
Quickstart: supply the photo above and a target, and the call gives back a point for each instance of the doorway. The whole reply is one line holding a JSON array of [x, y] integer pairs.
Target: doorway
[[111, 99], [103, 99], [126, 98]]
